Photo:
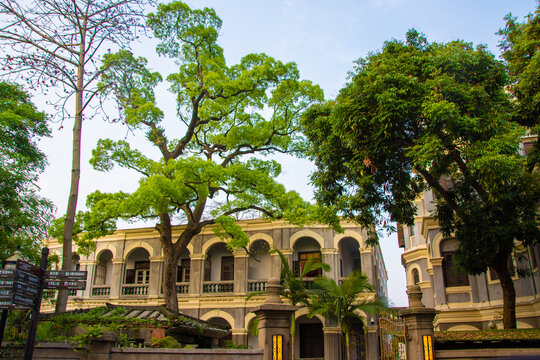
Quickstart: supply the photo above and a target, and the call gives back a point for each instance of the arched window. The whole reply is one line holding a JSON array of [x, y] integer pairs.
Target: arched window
[[415, 276]]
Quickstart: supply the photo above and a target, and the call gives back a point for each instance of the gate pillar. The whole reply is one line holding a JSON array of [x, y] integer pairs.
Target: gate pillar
[[274, 323], [418, 326]]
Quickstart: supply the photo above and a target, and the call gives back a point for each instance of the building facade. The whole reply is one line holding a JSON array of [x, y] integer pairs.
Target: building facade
[[465, 302], [213, 283]]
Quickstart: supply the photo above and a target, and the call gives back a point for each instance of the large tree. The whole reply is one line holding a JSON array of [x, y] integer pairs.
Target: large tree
[[55, 46], [229, 117], [521, 50], [416, 113], [24, 215]]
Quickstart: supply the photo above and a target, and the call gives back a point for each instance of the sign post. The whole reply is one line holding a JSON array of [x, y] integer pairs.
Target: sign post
[[22, 288], [29, 350]]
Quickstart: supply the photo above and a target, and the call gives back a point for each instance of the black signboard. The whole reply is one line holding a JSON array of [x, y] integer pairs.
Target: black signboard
[[23, 290], [65, 275], [7, 274], [6, 284], [27, 279], [29, 268], [64, 285], [23, 301], [5, 304]]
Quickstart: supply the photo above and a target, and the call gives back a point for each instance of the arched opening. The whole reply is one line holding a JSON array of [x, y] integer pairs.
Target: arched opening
[[259, 265], [137, 273], [218, 269], [103, 274], [357, 340], [415, 276], [183, 273], [222, 343], [349, 256], [304, 249], [309, 338]]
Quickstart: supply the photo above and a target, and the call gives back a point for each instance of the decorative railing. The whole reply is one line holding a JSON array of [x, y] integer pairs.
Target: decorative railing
[[134, 289], [218, 287], [72, 292], [101, 290], [182, 288], [258, 285], [309, 283]]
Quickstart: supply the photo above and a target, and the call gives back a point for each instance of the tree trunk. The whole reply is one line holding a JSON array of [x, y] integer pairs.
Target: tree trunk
[[348, 344], [509, 292], [293, 333], [61, 301], [170, 266]]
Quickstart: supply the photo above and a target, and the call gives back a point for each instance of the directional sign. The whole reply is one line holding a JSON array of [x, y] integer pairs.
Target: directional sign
[[7, 274], [29, 268], [23, 301], [5, 305], [6, 284], [65, 275], [64, 285], [23, 290], [27, 279]]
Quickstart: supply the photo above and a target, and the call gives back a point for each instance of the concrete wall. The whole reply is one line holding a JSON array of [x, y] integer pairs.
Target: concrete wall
[[62, 351], [462, 354]]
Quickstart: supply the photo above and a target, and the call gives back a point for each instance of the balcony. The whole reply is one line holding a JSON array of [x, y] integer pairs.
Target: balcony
[[257, 285], [135, 289], [182, 288], [101, 290], [214, 287]]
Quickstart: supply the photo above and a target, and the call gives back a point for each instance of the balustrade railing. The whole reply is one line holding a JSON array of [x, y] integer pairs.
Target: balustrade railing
[[258, 285], [101, 290], [218, 287], [182, 288], [134, 289]]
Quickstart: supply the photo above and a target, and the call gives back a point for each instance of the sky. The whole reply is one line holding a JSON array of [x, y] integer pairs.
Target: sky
[[323, 38]]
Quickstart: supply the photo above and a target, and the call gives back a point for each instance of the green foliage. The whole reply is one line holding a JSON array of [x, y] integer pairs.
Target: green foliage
[[520, 45], [232, 118], [342, 303], [24, 215], [165, 342], [417, 113]]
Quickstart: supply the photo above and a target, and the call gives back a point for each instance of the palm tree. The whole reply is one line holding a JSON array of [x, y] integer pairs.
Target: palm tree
[[342, 302], [293, 286]]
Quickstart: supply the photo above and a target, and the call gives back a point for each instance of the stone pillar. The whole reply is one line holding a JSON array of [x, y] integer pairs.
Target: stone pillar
[[418, 325], [117, 278], [154, 283], [368, 267], [274, 322], [239, 336], [372, 342], [438, 278], [197, 274], [330, 257], [89, 266], [240, 271], [332, 342]]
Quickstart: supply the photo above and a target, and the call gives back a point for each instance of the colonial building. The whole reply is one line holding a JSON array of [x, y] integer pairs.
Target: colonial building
[[465, 302], [213, 283]]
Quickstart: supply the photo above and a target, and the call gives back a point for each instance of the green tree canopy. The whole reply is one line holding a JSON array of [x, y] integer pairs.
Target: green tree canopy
[[521, 49], [413, 114], [24, 215], [231, 118]]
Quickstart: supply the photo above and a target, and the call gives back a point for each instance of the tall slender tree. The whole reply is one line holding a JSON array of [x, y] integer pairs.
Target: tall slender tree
[[56, 45]]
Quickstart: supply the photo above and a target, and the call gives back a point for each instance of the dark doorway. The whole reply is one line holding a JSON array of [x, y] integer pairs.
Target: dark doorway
[[311, 341]]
